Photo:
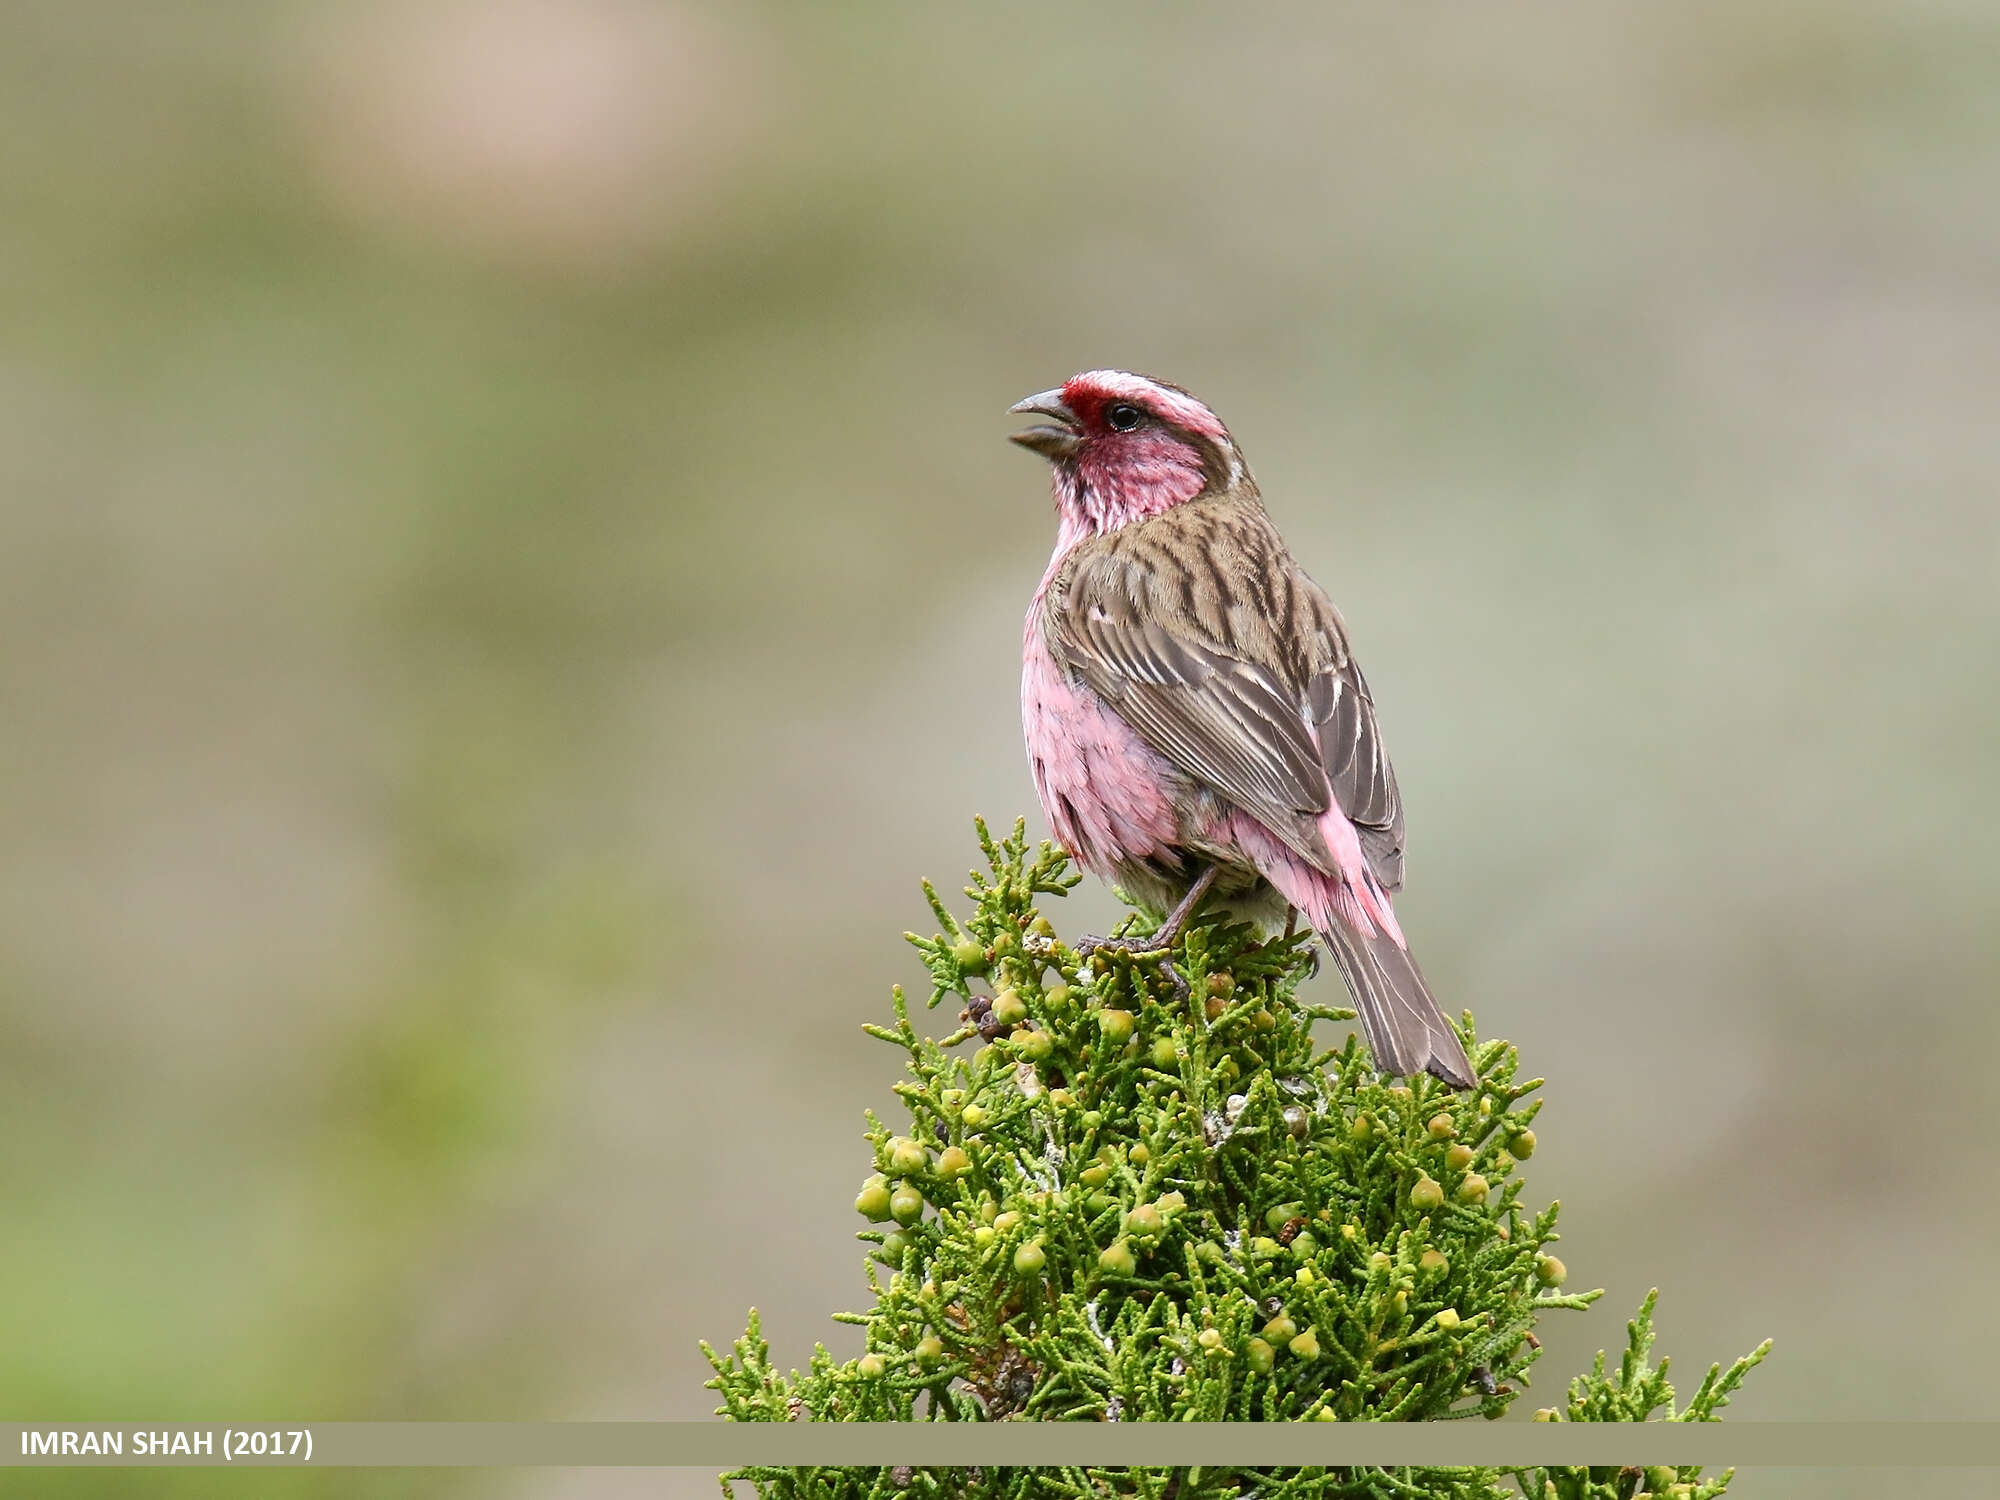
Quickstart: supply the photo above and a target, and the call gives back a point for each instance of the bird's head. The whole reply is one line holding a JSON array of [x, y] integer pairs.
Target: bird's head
[[1127, 446]]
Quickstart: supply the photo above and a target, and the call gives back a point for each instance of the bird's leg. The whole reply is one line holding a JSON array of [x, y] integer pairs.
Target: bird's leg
[[1169, 931]]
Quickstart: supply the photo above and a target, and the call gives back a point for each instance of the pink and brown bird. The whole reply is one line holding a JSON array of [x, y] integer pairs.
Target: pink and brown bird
[[1196, 722]]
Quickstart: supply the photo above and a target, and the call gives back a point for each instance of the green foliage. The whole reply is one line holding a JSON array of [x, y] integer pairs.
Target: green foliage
[[1637, 1393], [1145, 1195]]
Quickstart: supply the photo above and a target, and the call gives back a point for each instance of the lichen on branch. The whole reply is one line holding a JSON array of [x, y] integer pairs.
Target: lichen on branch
[[1133, 1188]]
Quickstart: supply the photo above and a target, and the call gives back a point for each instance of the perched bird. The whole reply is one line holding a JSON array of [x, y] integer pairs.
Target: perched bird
[[1195, 721]]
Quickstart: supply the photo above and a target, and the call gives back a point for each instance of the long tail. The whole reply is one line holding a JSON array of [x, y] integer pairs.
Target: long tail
[[1405, 1029]]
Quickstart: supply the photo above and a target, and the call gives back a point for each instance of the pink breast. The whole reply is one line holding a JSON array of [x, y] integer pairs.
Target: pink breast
[[1107, 794]]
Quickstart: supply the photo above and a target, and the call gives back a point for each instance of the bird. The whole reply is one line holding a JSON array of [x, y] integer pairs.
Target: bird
[[1196, 723]]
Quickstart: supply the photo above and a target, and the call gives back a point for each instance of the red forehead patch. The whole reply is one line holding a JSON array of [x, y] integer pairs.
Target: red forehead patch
[[1091, 391]]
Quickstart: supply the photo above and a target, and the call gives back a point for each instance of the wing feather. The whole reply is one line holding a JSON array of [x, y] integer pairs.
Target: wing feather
[[1271, 713]]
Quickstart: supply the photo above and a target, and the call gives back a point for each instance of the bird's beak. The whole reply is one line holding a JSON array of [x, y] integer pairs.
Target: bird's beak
[[1051, 441]]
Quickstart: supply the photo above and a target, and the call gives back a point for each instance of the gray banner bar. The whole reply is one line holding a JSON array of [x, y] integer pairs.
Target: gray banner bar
[[722, 1445]]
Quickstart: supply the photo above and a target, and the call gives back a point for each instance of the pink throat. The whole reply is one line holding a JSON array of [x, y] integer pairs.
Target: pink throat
[[1094, 496]]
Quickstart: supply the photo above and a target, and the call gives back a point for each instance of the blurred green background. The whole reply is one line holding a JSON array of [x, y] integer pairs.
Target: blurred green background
[[510, 570]]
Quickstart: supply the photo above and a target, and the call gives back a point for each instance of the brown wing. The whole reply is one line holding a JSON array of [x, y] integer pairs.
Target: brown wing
[[1364, 783], [1202, 632]]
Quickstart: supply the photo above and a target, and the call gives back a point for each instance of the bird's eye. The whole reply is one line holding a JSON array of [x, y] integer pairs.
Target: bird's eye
[[1123, 416]]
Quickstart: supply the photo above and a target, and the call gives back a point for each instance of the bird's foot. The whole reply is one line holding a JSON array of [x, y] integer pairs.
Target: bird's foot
[[1147, 948], [1131, 945], [1312, 948]]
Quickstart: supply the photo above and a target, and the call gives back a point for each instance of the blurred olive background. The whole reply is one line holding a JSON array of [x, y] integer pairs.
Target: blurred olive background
[[510, 570]]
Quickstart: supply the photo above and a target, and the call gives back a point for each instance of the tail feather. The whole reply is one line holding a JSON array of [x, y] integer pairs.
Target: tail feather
[[1405, 1029]]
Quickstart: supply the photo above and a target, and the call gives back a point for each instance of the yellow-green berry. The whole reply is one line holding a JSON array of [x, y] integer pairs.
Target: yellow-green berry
[[869, 1366], [907, 1156], [1304, 1246], [1056, 996], [1278, 1215], [1096, 1176], [1427, 1196], [1550, 1271], [1117, 1259], [1325, 1414], [1447, 1318], [906, 1205], [973, 1115], [873, 1202], [1006, 1221], [1115, 1024], [1433, 1263], [1009, 1009], [1144, 1221], [1473, 1189], [930, 1349], [1548, 1414], [1034, 1046], [953, 1162], [1362, 1128], [1138, 1155], [1209, 1339], [984, 1235], [1441, 1127], [1163, 1052], [894, 1244], [1029, 1259], [969, 956], [1280, 1329], [1522, 1143], [1264, 1246], [1459, 1157], [1305, 1345], [1259, 1356], [1659, 1478]]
